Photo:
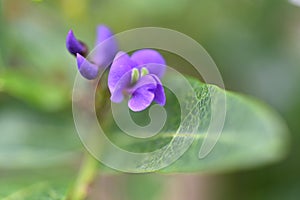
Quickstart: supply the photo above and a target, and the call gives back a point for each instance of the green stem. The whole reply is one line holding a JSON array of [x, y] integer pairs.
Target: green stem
[[90, 166], [87, 174]]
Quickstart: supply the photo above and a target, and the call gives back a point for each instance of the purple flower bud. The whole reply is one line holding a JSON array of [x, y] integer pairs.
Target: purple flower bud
[[146, 86], [75, 46], [87, 70], [100, 58]]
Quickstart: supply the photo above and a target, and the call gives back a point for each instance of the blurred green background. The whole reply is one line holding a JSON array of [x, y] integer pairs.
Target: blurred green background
[[255, 44]]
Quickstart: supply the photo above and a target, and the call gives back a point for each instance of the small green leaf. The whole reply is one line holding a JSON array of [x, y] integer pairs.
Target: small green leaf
[[36, 191], [50, 183], [49, 96]]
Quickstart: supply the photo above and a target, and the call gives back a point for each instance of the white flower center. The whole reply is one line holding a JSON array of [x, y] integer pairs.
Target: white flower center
[[136, 74]]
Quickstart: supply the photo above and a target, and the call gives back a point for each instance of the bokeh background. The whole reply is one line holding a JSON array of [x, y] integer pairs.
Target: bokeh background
[[255, 44]]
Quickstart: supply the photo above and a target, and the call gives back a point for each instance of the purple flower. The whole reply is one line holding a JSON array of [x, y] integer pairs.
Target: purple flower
[[139, 77], [101, 57]]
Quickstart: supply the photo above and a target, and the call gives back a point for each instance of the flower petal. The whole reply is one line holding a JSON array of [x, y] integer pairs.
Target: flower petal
[[121, 65], [147, 80], [117, 93], [142, 93], [87, 69], [74, 46], [141, 99], [150, 59], [106, 47], [160, 97]]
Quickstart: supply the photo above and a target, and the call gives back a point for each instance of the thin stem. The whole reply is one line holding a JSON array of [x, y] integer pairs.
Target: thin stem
[[87, 174]]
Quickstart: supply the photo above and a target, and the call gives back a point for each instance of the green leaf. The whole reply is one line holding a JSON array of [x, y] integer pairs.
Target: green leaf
[[33, 139], [253, 134]]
